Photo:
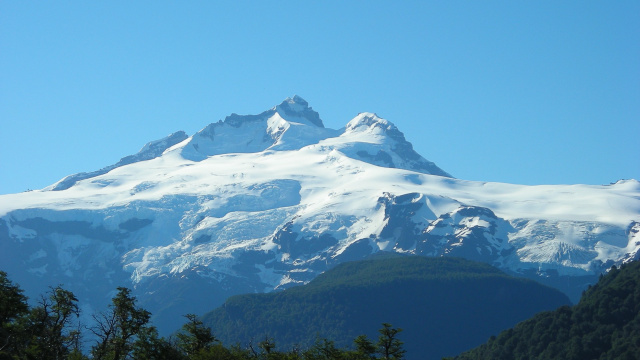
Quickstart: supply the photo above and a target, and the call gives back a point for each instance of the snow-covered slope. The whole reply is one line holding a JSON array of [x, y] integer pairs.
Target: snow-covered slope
[[260, 202]]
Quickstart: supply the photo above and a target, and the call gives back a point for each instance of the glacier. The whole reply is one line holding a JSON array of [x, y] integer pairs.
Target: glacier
[[256, 203]]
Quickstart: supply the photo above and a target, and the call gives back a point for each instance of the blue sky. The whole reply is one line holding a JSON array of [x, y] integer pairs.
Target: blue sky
[[539, 92]]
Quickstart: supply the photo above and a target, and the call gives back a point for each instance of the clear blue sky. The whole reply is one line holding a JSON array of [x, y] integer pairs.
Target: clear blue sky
[[538, 92]]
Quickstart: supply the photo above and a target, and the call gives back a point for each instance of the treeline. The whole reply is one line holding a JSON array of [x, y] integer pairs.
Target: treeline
[[52, 330]]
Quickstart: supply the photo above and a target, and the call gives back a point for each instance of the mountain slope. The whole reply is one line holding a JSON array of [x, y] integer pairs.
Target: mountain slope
[[605, 324], [262, 202], [444, 305]]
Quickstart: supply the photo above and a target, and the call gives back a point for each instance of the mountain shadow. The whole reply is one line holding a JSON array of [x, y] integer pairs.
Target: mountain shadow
[[605, 324], [443, 305]]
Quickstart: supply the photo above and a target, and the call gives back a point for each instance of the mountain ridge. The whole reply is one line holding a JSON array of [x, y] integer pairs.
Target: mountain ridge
[[290, 200]]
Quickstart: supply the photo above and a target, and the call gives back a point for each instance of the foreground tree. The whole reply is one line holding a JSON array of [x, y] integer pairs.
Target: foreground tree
[[150, 346], [324, 349], [52, 330], [194, 337], [117, 329], [389, 346], [13, 305], [365, 349]]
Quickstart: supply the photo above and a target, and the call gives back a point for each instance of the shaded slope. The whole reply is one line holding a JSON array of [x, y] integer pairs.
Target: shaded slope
[[444, 305], [605, 324]]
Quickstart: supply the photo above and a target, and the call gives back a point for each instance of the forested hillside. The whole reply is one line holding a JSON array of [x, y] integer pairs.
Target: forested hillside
[[605, 324], [444, 305]]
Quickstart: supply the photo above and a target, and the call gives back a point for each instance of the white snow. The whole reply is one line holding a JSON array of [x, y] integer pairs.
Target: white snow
[[237, 185]]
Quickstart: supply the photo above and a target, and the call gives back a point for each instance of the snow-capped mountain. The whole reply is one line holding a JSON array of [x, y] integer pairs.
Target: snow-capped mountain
[[261, 202]]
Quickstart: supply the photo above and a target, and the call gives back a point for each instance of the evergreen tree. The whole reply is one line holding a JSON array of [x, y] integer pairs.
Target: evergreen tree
[[389, 346], [50, 328], [324, 349], [150, 346], [267, 346], [195, 337], [13, 304], [48, 331], [365, 349], [117, 329]]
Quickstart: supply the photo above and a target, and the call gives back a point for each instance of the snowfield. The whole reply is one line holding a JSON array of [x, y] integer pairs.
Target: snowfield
[[267, 201]]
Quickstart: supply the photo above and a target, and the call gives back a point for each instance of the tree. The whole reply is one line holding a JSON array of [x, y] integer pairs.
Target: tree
[[150, 346], [267, 346], [117, 329], [389, 346], [324, 349], [365, 349], [194, 336], [50, 328], [13, 305]]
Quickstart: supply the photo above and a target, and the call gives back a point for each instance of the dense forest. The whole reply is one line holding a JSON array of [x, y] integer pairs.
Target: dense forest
[[605, 324], [445, 305]]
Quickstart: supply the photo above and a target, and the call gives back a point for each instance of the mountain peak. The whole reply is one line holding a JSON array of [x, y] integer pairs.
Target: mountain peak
[[298, 108], [287, 200], [256, 133], [296, 100], [366, 120]]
